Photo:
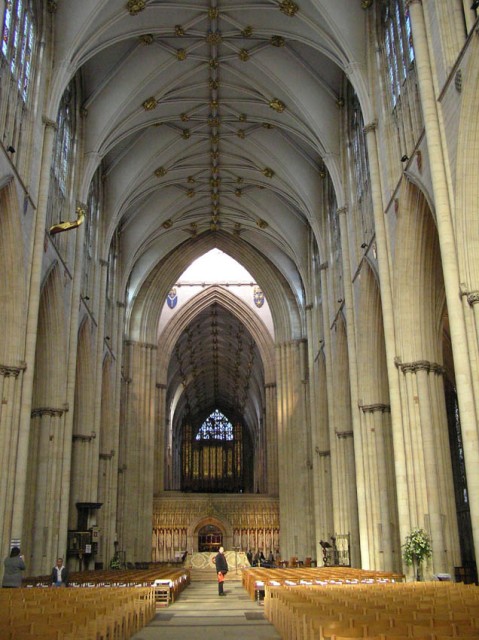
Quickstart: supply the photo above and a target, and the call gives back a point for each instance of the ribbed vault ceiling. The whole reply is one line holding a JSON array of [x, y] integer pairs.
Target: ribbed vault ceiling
[[211, 118], [216, 360]]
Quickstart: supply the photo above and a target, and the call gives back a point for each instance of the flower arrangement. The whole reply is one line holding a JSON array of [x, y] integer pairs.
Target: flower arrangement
[[417, 547]]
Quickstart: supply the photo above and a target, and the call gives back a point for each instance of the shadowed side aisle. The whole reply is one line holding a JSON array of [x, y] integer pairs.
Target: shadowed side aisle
[[201, 614]]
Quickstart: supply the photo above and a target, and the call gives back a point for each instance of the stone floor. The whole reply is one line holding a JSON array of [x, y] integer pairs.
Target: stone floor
[[200, 614]]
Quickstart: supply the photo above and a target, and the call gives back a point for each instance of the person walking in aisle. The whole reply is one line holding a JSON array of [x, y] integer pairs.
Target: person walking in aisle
[[221, 570]]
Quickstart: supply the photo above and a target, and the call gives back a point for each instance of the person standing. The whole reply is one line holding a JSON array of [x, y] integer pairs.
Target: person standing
[[59, 574], [14, 565], [221, 570]]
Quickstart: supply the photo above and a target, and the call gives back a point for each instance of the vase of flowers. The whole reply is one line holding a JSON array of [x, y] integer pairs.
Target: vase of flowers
[[417, 548]]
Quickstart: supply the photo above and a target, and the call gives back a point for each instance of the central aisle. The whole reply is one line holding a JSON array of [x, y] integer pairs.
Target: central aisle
[[200, 614]]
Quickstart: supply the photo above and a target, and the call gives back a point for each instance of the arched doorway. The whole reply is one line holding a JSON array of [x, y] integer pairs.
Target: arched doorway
[[210, 538]]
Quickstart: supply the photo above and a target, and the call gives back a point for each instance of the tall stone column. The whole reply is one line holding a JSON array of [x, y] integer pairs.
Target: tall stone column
[[384, 256], [430, 473], [331, 450], [48, 424], [345, 516], [376, 419], [459, 338], [294, 463], [271, 438], [139, 451], [10, 391], [160, 420], [360, 455], [31, 336]]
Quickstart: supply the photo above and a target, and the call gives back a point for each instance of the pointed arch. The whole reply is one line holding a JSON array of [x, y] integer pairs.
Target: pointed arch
[[237, 307], [147, 306]]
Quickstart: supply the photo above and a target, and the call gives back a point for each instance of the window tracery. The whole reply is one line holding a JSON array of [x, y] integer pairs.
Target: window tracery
[[402, 100], [19, 38], [18, 41], [398, 45], [215, 427]]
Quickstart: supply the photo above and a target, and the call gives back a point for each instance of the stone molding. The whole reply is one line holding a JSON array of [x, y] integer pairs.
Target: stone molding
[[419, 365], [7, 370], [344, 434], [374, 408], [49, 411], [107, 456], [80, 437], [323, 454]]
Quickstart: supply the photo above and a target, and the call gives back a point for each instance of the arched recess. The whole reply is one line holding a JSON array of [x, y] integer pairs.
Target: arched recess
[[12, 277], [48, 461], [146, 308], [425, 483], [84, 462], [380, 545], [220, 295], [171, 419], [198, 524]]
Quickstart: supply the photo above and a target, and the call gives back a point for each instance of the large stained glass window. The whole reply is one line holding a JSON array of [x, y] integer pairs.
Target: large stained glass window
[[216, 427], [212, 456]]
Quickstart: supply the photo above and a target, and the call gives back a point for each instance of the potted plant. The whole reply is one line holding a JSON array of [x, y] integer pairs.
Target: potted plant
[[416, 549]]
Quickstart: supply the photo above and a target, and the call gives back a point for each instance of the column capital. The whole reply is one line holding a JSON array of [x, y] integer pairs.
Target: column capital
[[471, 296], [8, 370], [325, 453], [55, 412], [82, 437], [160, 385], [374, 408], [107, 456], [270, 385], [371, 126], [409, 2], [344, 434], [323, 266], [341, 210], [419, 365], [103, 263], [49, 123]]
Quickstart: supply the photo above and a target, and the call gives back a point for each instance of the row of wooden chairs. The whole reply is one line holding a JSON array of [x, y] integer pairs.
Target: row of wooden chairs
[[378, 611], [177, 578], [256, 578], [75, 614]]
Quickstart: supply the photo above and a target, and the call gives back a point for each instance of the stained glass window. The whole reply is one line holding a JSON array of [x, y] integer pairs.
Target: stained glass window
[[398, 44], [215, 427], [18, 40]]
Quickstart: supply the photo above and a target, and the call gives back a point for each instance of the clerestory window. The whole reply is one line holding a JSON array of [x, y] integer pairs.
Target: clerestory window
[[398, 45], [18, 41]]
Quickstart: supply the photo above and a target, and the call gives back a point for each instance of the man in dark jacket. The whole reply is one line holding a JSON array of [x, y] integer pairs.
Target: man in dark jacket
[[221, 570], [59, 574]]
